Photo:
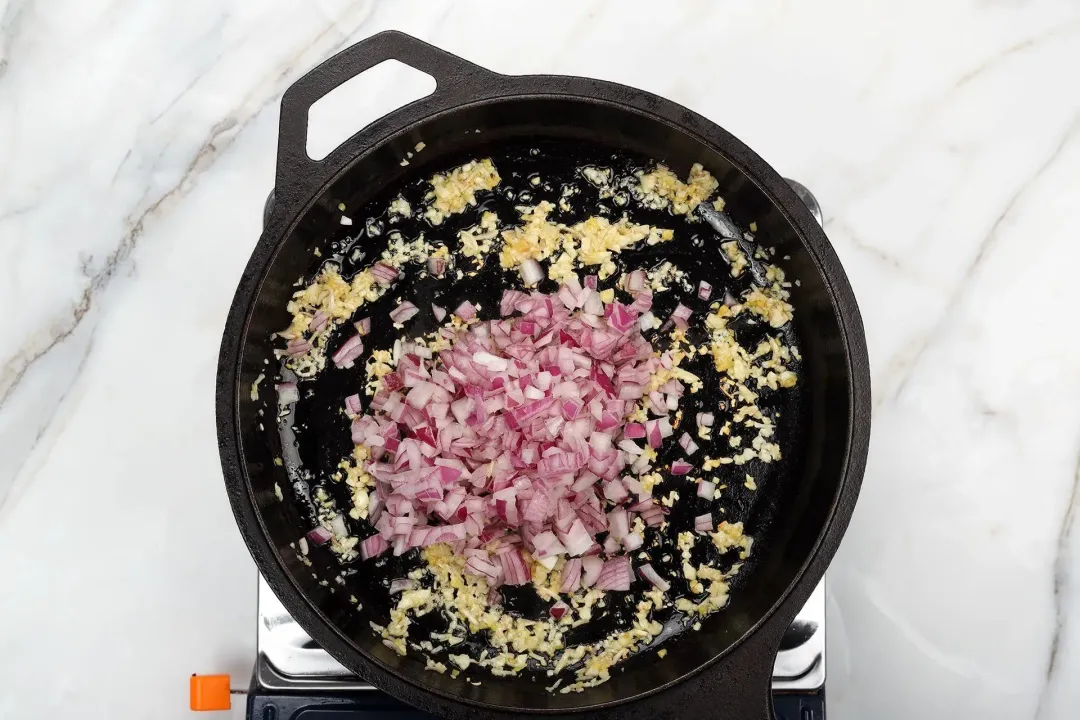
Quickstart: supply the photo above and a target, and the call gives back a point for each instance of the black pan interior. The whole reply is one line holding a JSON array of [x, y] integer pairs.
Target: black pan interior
[[785, 515]]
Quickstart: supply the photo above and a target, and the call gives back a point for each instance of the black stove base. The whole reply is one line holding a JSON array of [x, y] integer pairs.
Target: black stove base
[[373, 705], [799, 706], [357, 706]]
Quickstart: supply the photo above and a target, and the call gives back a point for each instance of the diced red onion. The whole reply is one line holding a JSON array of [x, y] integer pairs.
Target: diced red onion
[[401, 584], [558, 610], [653, 516], [348, 352], [618, 523], [665, 427], [593, 305], [531, 272], [705, 419], [704, 290], [465, 311], [687, 443], [571, 576], [440, 313], [635, 281], [680, 315], [615, 491], [494, 363], [481, 566], [621, 317], [384, 274], [642, 301], [680, 468], [436, 266], [655, 436], [653, 577], [403, 312], [703, 523], [318, 321], [373, 547], [287, 393], [591, 567], [319, 535], [706, 489], [363, 326], [506, 439], [298, 346], [615, 574], [577, 540], [514, 568]]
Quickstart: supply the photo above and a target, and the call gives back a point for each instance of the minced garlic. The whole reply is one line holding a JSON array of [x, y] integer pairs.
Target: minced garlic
[[455, 191], [648, 482], [661, 188], [729, 536], [588, 243], [379, 364], [769, 305], [735, 256], [665, 275], [337, 299], [462, 599], [255, 386], [400, 206], [358, 480], [476, 241]]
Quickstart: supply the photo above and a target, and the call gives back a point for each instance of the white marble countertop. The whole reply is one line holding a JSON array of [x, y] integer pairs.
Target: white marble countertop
[[942, 139]]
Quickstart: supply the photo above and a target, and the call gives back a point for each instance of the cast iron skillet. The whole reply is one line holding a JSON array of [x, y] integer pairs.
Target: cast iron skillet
[[722, 671]]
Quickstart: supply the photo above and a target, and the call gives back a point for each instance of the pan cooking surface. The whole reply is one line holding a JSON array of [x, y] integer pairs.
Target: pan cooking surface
[[314, 436]]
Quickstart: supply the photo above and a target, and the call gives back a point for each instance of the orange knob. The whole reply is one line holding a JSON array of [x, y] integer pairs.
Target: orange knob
[[210, 692]]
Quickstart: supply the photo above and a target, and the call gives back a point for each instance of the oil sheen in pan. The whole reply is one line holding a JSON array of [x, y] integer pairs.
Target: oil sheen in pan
[[315, 437]]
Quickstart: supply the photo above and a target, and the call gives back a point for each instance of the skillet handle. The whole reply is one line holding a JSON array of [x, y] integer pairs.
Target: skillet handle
[[456, 80]]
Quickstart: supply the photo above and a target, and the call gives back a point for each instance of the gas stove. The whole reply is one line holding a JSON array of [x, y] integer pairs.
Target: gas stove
[[295, 679]]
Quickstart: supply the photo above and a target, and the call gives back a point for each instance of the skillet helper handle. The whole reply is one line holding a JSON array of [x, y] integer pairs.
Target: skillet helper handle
[[456, 80], [736, 687], [746, 690]]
